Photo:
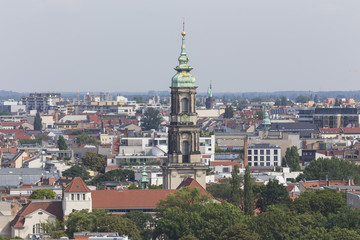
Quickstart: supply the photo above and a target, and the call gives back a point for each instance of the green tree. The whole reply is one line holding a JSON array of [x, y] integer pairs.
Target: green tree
[[84, 138], [79, 221], [278, 102], [116, 223], [259, 115], [345, 217], [333, 168], [115, 175], [239, 231], [292, 159], [38, 122], [42, 193], [283, 101], [229, 112], [320, 201], [302, 99], [338, 102], [342, 234], [188, 212], [143, 221], [61, 143], [94, 161], [54, 230], [276, 223], [236, 184], [221, 190], [272, 193], [248, 193], [76, 171], [151, 119]]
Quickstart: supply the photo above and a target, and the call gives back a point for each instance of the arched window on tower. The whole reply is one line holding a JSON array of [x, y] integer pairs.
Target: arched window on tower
[[185, 152], [185, 105]]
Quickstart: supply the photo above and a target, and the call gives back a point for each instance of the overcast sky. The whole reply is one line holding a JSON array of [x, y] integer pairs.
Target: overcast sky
[[240, 46]]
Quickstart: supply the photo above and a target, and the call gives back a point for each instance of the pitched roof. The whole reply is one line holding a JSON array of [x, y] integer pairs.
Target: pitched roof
[[52, 207], [351, 130], [330, 130], [190, 182], [77, 185], [224, 163], [128, 199]]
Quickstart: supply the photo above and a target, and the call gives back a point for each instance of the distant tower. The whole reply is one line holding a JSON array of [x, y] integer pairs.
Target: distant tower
[[184, 147], [144, 179], [266, 123], [209, 98]]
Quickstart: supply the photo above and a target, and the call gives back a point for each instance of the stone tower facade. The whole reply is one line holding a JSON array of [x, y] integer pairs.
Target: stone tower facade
[[183, 152], [209, 99]]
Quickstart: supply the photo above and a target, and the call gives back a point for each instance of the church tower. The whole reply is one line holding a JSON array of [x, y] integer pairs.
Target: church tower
[[183, 151], [209, 98]]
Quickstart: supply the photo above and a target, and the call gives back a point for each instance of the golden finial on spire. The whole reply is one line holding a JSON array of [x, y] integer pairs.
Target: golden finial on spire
[[183, 33]]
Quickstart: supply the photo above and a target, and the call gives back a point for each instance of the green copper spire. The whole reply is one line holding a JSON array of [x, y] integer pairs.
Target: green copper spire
[[183, 77], [144, 179], [209, 92], [266, 123]]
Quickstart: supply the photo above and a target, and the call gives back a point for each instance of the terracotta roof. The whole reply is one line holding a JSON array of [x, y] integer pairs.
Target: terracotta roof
[[330, 130], [77, 185], [190, 182], [128, 199], [224, 163], [351, 130], [52, 207]]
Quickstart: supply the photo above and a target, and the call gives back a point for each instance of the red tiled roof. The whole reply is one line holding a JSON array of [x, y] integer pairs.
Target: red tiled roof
[[351, 130], [192, 183], [225, 163], [128, 199], [52, 207], [11, 123], [330, 130], [77, 185]]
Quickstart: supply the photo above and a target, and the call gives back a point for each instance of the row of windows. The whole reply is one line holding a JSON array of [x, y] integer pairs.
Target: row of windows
[[78, 196], [255, 164], [262, 158], [262, 151]]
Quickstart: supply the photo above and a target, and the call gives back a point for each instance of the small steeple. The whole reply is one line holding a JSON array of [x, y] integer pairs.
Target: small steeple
[[209, 92], [266, 123], [183, 77], [144, 179]]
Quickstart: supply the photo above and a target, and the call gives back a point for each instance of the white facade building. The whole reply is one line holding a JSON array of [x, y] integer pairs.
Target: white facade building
[[264, 154]]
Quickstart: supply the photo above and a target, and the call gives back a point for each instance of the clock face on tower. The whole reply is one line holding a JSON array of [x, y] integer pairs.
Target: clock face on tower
[[185, 118]]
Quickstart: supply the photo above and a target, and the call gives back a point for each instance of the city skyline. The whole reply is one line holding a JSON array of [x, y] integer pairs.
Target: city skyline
[[240, 46]]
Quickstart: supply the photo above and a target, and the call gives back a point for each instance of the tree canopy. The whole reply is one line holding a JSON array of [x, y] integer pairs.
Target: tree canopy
[[187, 212], [229, 112], [333, 168], [37, 122], [42, 193], [115, 175], [76, 171], [84, 138], [272, 193], [151, 119], [94, 161], [292, 159], [61, 143]]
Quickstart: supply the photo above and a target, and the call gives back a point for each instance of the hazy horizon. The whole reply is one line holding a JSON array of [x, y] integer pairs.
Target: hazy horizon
[[240, 46]]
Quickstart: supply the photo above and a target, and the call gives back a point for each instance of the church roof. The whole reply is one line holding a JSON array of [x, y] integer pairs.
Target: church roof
[[128, 199], [190, 182], [51, 206], [77, 185]]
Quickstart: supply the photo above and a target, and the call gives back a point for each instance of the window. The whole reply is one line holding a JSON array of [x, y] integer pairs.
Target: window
[[255, 151], [275, 151], [84, 196], [262, 152], [261, 158], [185, 105], [226, 169], [275, 158], [185, 151], [262, 164], [275, 164], [249, 152], [249, 158], [268, 158], [268, 164], [255, 164], [78, 196], [72, 196], [255, 158], [249, 164], [36, 228], [268, 152]]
